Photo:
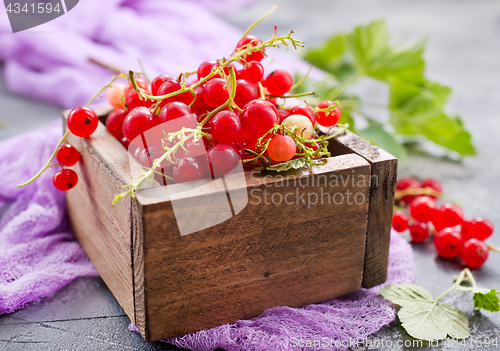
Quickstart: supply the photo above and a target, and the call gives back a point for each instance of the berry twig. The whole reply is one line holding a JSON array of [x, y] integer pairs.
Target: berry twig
[[414, 191], [237, 56], [291, 95], [493, 248], [260, 19], [47, 165]]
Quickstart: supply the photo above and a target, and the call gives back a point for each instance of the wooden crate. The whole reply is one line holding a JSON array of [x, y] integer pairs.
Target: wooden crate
[[270, 254]]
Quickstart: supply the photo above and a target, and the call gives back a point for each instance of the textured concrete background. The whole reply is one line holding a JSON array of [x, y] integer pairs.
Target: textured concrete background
[[463, 52]]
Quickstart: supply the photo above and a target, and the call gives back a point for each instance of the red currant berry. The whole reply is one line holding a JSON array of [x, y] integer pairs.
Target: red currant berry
[[282, 148], [116, 96], [448, 215], [253, 72], [408, 183], [282, 114], [433, 184], [65, 179], [171, 86], [141, 84], [245, 92], [215, 94], [478, 228], [474, 253], [278, 82], [423, 209], [305, 111], [448, 243], [82, 121], [125, 142], [174, 110], [114, 123], [139, 120], [132, 99], [399, 221], [419, 231], [253, 56], [239, 149], [146, 156], [225, 127], [158, 82], [222, 159], [205, 68], [189, 169], [328, 119], [67, 155], [257, 118], [200, 106]]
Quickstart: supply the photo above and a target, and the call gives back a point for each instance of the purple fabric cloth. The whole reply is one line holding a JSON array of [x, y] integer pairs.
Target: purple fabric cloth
[[333, 325], [168, 36], [38, 253]]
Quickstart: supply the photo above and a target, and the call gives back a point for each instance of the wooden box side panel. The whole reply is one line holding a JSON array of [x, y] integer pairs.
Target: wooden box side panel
[[103, 230], [269, 254], [383, 185]]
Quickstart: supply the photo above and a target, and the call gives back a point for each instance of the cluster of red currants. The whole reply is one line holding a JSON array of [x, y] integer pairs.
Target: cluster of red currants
[[231, 134], [230, 109], [82, 122], [453, 235]]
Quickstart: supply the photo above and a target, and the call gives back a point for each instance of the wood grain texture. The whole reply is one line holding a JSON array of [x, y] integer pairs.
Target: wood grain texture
[[102, 230], [383, 185], [269, 254]]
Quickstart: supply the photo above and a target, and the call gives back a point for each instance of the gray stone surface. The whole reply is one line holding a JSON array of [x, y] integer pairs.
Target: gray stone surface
[[463, 52]]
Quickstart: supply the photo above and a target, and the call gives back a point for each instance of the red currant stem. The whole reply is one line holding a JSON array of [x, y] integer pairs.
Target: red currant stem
[[302, 80], [493, 248], [235, 57], [457, 283], [341, 128], [264, 160], [160, 174], [103, 65], [421, 191], [56, 164], [192, 102], [256, 154], [121, 75], [230, 101], [156, 163], [469, 275], [260, 19], [144, 71], [261, 91], [292, 95], [328, 109], [47, 165]]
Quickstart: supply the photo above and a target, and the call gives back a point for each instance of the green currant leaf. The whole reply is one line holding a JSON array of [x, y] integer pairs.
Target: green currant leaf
[[416, 109], [405, 293], [423, 317], [374, 57], [488, 301], [332, 57], [285, 166], [429, 321]]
